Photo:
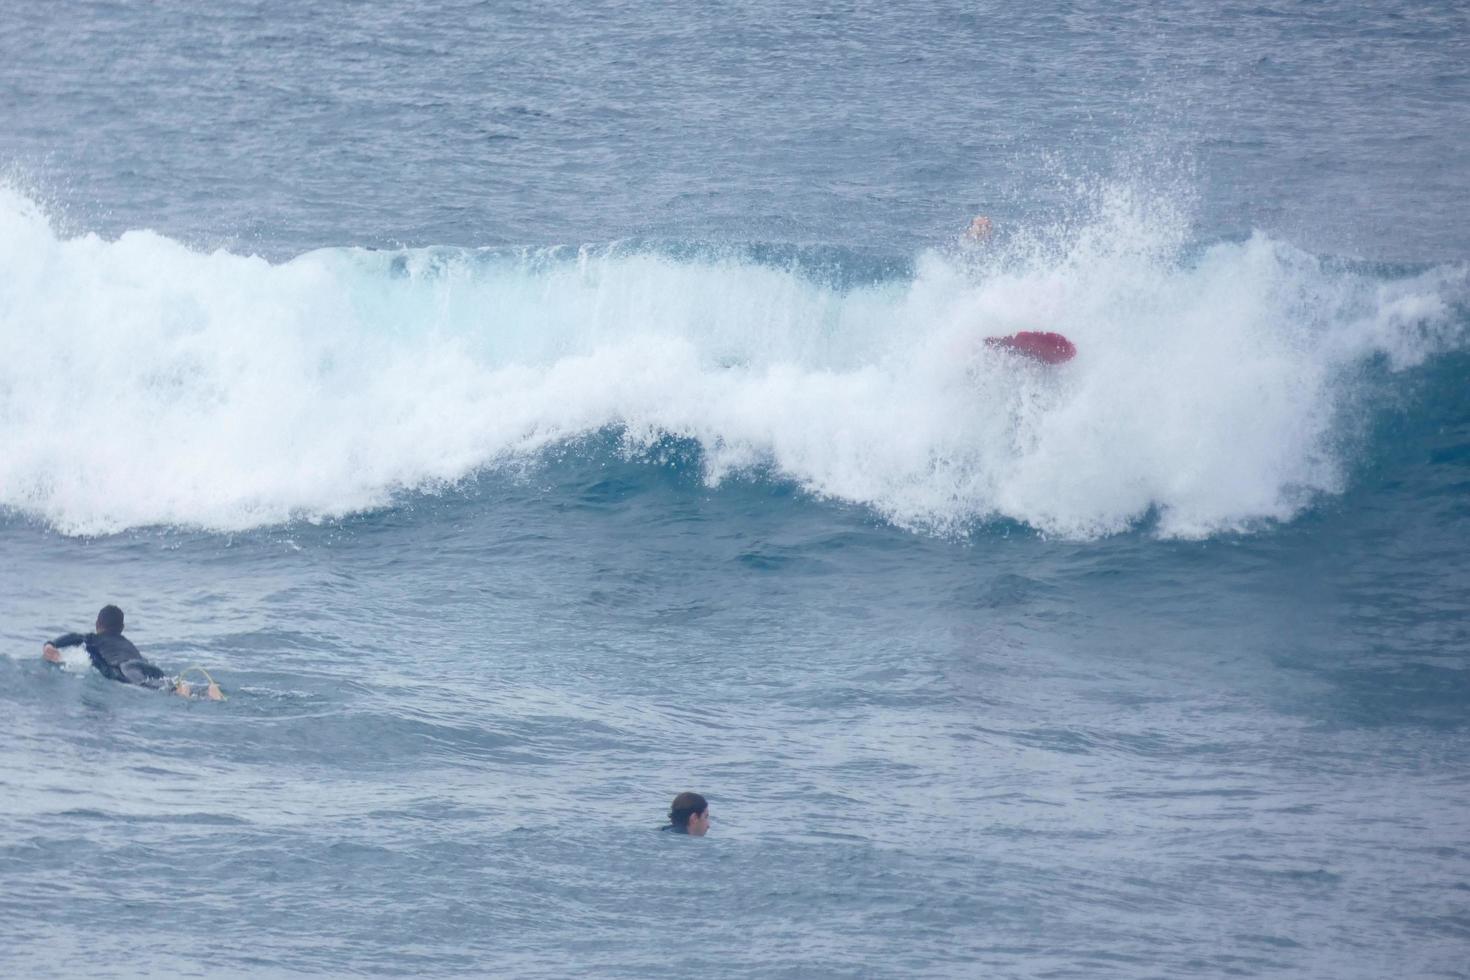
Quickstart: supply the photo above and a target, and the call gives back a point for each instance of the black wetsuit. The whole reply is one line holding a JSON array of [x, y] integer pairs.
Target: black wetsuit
[[116, 658]]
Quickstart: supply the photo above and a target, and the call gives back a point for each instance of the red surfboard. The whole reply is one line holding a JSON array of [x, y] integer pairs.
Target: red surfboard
[[1039, 345]]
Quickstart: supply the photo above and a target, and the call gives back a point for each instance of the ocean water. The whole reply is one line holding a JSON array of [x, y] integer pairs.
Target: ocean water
[[530, 411]]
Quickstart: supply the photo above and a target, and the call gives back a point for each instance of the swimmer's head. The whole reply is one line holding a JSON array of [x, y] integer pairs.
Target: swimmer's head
[[689, 814], [110, 620], [980, 229]]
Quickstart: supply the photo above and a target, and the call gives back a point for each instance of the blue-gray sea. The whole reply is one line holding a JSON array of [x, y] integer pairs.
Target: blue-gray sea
[[530, 411]]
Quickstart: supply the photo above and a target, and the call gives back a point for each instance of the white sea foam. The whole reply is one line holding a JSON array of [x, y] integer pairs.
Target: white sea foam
[[143, 383]]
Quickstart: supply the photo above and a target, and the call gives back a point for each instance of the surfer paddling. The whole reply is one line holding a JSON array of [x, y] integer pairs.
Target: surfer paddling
[[117, 659]]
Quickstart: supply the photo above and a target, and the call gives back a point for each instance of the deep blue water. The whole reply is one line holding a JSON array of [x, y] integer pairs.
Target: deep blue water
[[528, 412]]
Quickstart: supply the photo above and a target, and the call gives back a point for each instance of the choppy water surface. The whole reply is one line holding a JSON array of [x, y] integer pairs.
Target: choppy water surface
[[529, 413]]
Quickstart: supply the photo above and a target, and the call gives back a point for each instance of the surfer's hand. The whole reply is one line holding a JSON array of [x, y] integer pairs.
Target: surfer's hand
[[214, 693], [49, 652], [182, 689]]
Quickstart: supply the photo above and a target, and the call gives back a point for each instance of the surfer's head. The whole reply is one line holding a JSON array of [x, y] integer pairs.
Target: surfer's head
[[110, 620], [689, 814]]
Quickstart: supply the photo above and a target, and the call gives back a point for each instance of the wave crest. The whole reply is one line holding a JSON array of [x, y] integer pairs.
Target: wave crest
[[142, 383]]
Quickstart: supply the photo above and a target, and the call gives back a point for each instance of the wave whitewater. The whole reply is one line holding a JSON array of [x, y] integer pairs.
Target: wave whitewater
[[1218, 387]]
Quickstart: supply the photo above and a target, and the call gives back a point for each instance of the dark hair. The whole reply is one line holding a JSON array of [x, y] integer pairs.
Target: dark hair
[[685, 806], [110, 619]]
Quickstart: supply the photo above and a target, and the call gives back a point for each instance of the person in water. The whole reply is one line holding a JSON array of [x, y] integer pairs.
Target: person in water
[[689, 814], [980, 229], [117, 659]]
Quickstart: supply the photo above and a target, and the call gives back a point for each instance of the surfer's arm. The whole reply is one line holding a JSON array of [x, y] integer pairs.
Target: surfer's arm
[[50, 651]]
